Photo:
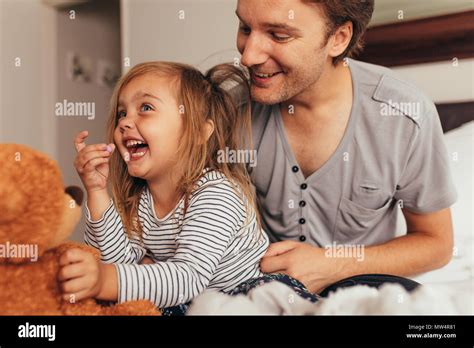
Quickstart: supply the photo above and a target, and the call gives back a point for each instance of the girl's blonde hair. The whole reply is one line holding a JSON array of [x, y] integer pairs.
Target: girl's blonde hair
[[203, 98]]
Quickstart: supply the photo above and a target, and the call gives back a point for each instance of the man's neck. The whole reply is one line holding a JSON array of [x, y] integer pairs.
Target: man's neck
[[333, 88]]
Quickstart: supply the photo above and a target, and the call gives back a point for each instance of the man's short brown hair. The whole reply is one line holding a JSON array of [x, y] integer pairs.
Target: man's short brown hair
[[338, 12]]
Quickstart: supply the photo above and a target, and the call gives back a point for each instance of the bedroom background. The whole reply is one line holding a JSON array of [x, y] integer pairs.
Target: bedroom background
[[59, 51]]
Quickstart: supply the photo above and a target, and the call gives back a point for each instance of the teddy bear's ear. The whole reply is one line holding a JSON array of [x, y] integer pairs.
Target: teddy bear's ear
[[76, 193]]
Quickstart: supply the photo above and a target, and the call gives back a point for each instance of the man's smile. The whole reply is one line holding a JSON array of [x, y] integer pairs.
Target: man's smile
[[261, 79]]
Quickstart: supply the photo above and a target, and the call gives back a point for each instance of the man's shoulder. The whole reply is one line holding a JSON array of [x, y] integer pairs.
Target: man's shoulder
[[394, 93]]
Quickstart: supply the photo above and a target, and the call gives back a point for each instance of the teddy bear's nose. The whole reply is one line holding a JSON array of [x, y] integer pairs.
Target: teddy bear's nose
[[76, 193]]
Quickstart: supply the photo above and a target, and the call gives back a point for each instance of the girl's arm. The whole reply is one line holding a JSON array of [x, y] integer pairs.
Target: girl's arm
[[104, 229], [109, 283], [97, 202], [105, 232], [81, 276], [210, 224]]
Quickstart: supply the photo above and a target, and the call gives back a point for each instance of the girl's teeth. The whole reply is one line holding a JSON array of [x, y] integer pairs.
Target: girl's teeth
[[138, 154], [134, 142]]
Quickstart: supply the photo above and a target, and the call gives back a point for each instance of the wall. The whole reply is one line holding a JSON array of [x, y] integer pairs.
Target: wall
[[28, 92], [95, 34], [156, 30]]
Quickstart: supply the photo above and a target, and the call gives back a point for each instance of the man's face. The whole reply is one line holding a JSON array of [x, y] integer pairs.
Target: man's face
[[282, 44]]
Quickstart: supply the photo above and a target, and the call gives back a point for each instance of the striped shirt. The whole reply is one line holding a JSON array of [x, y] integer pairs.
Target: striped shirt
[[216, 245]]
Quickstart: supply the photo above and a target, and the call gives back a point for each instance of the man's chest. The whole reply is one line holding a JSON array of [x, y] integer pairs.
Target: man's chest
[[314, 144], [349, 195]]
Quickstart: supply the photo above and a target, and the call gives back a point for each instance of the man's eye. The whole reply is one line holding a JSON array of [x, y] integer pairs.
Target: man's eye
[[280, 37], [121, 114], [244, 30], [146, 107]]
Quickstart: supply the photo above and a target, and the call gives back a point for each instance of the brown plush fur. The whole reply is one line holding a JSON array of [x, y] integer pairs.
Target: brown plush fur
[[35, 210]]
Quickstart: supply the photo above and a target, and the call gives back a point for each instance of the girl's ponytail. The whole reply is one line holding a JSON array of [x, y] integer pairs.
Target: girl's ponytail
[[229, 109]]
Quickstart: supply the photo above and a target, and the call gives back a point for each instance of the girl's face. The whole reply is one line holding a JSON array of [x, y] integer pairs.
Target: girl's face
[[149, 126]]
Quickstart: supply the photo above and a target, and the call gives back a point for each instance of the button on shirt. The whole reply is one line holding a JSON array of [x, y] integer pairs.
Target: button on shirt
[[392, 150]]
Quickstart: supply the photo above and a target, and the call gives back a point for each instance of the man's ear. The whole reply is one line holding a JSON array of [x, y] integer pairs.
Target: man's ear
[[208, 130], [341, 39]]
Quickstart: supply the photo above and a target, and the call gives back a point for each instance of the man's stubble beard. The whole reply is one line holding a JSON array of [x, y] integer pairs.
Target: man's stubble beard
[[295, 83]]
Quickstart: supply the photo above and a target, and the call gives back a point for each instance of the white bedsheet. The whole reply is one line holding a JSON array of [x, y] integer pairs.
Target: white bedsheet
[[391, 299]]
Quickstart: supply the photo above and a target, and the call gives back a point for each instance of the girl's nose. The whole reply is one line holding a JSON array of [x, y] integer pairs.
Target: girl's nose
[[126, 123]]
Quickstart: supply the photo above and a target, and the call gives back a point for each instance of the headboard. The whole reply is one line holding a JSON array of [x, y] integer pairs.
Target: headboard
[[425, 40]]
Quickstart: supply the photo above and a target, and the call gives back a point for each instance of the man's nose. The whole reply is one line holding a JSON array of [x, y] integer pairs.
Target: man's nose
[[254, 52]]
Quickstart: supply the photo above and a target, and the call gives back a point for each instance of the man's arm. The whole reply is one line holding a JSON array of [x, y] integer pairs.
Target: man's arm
[[428, 245]]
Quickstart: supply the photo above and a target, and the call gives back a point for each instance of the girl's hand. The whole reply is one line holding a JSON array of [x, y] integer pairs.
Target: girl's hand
[[80, 275], [92, 163]]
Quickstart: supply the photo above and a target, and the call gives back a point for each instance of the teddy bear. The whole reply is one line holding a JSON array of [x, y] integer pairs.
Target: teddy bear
[[37, 215]]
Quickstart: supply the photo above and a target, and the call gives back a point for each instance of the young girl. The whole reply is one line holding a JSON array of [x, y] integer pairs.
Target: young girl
[[175, 202]]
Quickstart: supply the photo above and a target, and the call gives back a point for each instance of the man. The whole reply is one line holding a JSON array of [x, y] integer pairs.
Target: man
[[341, 144]]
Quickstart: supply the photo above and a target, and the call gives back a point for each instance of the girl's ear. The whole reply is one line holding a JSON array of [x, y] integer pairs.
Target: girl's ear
[[208, 129]]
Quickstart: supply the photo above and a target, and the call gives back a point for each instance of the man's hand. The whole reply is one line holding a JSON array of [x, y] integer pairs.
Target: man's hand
[[303, 262], [428, 245]]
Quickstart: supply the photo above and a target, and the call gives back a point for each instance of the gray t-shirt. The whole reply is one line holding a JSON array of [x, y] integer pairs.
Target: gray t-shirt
[[392, 150]]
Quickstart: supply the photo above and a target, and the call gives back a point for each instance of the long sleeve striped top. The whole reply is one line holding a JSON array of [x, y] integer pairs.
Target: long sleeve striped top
[[217, 245]]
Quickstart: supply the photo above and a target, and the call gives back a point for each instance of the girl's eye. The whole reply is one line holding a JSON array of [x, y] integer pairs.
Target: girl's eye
[[121, 114], [146, 107], [280, 37]]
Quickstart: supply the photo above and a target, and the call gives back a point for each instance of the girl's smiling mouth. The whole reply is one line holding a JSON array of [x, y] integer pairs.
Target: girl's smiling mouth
[[136, 148]]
